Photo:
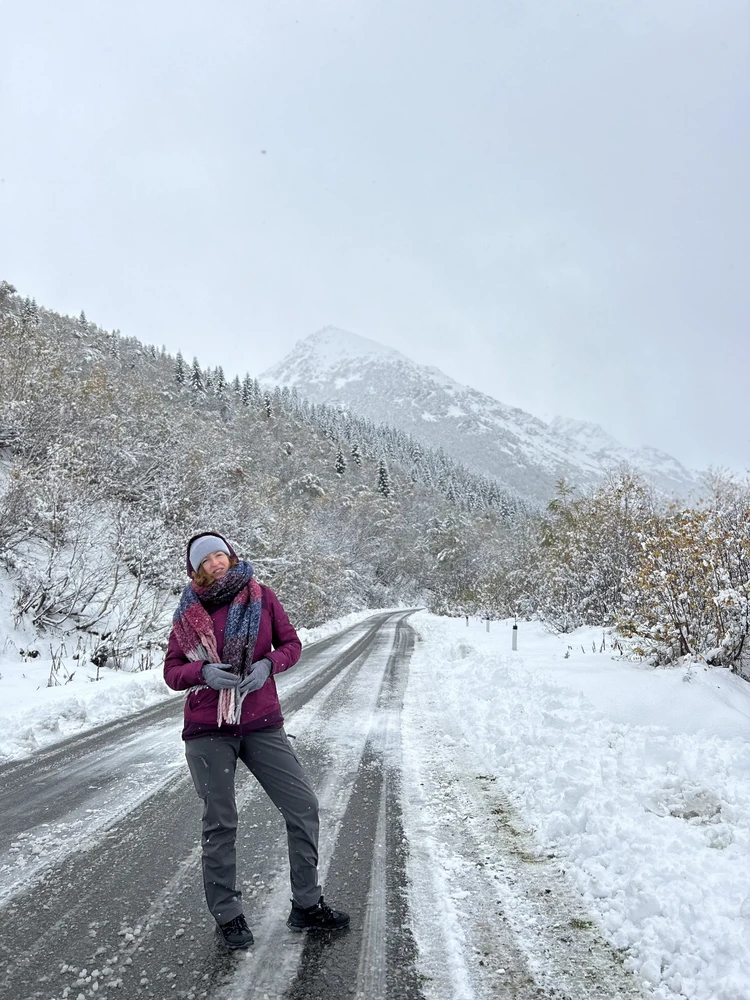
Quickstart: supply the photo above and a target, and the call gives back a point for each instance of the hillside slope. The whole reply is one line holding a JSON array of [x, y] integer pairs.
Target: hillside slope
[[522, 452], [112, 453]]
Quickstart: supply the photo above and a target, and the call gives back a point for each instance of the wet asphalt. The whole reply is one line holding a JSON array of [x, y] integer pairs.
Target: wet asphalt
[[111, 902], [377, 957]]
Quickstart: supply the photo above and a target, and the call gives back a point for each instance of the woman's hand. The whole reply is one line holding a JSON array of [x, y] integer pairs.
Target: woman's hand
[[220, 676], [257, 677]]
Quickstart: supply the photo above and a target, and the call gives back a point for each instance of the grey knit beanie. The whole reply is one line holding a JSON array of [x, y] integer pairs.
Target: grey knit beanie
[[204, 546]]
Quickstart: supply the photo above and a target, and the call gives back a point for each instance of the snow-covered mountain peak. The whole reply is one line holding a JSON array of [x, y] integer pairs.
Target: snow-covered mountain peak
[[591, 436], [332, 346], [522, 452]]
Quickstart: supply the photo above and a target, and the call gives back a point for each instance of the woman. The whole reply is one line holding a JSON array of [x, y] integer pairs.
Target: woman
[[230, 636]]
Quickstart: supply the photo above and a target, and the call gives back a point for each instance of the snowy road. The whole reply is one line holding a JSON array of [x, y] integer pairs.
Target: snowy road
[[100, 888]]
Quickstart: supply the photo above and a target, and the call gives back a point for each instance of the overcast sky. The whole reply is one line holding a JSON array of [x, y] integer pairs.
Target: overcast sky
[[548, 199]]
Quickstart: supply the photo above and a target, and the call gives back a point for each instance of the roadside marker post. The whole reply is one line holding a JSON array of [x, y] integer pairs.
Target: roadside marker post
[[514, 643]]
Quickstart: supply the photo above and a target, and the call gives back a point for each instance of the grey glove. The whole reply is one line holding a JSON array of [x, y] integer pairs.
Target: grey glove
[[220, 676], [256, 676]]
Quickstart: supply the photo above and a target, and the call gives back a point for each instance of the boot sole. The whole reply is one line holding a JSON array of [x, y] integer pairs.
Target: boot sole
[[314, 927], [234, 947]]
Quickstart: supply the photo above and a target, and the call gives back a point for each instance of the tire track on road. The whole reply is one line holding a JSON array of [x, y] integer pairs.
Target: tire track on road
[[128, 902], [376, 959], [30, 788], [68, 796]]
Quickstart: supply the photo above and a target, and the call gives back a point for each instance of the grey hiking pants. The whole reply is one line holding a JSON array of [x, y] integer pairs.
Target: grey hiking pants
[[212, 761]]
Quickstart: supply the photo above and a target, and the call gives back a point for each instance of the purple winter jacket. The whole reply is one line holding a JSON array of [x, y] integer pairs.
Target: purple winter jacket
[[277, 640]]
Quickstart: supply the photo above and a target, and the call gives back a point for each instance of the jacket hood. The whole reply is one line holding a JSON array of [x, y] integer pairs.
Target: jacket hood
[[200, 534]]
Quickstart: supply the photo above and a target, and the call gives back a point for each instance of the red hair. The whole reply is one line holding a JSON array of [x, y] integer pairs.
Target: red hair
[[202, 579]]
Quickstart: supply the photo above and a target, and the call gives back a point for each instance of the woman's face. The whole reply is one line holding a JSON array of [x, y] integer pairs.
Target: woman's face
[[216, 565]]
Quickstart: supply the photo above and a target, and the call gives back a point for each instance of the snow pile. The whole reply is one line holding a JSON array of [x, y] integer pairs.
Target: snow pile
[[34, 715], [640, 781]]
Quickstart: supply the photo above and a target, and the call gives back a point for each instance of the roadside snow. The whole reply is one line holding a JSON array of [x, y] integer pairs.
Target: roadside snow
[[638, 779], [34, 716]]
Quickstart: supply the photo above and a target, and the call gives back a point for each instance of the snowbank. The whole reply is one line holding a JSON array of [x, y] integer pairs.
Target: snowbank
[[33, 715], [640, 778]]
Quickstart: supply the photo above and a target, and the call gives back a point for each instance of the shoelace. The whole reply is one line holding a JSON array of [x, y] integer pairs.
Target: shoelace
[[236, 924], [325, 910]]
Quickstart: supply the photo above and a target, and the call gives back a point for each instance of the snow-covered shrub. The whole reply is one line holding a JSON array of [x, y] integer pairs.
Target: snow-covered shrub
[[17, 514], [689, 595], [588, 545]]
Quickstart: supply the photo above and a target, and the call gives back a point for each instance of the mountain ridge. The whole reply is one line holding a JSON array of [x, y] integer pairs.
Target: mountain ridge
[[520, 450]]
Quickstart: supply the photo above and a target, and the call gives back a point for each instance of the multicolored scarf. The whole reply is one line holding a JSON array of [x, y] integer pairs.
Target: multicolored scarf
[[194, 629]]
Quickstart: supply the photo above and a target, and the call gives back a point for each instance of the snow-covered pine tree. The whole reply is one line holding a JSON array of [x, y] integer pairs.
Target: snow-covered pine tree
[[196, 377], [356, 455], [340, 462], [29, 313], [384, 486], [180, 375], [247, 391]]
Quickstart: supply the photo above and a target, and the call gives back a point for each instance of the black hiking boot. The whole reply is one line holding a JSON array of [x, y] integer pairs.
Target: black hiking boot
[[235, 933], [316, 918]]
